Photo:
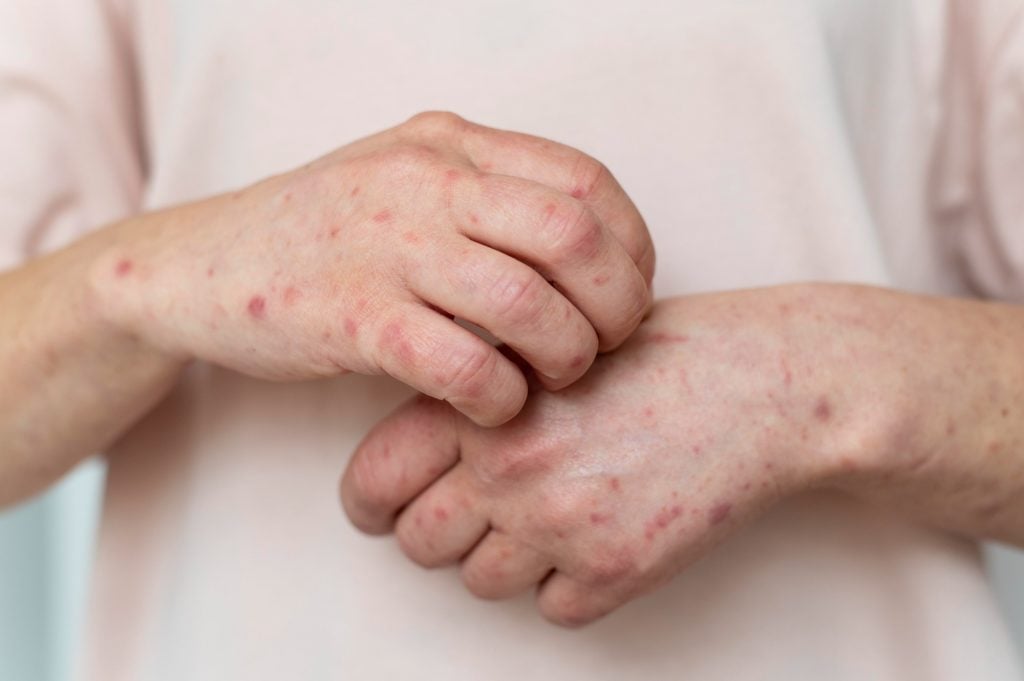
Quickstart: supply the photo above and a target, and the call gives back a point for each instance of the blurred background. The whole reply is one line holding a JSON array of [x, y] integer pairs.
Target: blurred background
[[45, 552]]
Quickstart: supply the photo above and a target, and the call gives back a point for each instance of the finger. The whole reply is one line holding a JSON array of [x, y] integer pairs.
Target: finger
[[444, 523], [516, 305], [565, 241], [570, 172], [438, 357], [500, 567], [397, 460], [567, 602]]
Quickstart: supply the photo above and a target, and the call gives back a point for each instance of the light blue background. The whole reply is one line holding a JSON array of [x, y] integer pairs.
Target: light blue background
[[45, 550]]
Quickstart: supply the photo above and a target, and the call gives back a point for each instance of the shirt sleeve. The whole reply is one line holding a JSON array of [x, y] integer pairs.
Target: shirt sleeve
[[979, 187], [71, 158]]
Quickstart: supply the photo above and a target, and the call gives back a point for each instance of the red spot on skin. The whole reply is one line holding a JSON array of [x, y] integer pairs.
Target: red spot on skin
[[822, 410], [602, 279], [560, 534], [578, 193], [995, 447], [598, 519], [441, 514], [419, 520], [355, 192], [257, 307], [719, 514], [209, 272], [746, 486], [393, 338], [577, 361], [696, 449], [451, 176], [950, 427], [326, 335], [287, 197], [787, 375], [661, 520], [684, 378], [474, 219], [351, 327], [411, 237], [549, 210], [123, 267], [666, 338], [615, 484], [1005, 413], [486, 166], [291, 295], [334, 232], [382, 217], [649, 412]]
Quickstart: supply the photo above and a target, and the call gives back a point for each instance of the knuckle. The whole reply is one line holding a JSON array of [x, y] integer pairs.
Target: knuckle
[[571, 231], [465, 371], [518, 296], [566, 612], [417, 545], [588, 175], [514, 464], [614, 566], [435, 123], [483, 578], [371, 491]]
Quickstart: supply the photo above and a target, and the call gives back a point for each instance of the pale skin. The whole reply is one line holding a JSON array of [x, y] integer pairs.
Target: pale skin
[[355, 262], [717, 408]]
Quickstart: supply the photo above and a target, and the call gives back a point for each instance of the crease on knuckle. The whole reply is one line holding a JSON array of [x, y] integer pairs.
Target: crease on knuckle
[[519, 298], [572, 232], [465, 372]]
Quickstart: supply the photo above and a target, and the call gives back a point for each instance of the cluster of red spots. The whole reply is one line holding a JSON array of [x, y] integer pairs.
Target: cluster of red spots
[[661, 520], [257, 307], [822, 409], [615, 485], [661, 338], [719, 514], [123, 267], [440, 513], [351, 327], [382, 217], [599, 519]]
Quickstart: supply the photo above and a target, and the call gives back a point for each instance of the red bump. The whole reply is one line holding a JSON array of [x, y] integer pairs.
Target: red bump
[[602, 279], [334, 232], [822, 410], [123, 267], [598, 519], [440, 513], [209, 272], [355, 191], [291, 295], [351, 327], [411, 237], [649, 412], [257, 307], [719, 514], [578, 193], [615, 484], [382, 217]]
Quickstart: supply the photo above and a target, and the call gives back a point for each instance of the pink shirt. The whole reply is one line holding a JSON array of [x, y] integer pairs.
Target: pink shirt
[[877, 141]]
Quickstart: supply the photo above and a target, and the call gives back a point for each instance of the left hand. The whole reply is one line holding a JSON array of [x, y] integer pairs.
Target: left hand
[[714, 410]]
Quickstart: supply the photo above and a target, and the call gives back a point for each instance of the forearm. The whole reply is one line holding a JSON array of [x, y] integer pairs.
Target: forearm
[[72, 380], [954, 440], [907, 401]]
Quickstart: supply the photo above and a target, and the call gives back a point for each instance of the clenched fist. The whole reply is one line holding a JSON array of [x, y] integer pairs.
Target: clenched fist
[[361, 260]]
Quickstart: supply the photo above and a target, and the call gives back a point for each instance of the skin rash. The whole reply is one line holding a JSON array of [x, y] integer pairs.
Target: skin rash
[[719, 407]]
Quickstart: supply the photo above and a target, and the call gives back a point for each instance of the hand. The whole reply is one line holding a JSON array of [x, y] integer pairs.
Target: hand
[[715, 409], [359, 261]]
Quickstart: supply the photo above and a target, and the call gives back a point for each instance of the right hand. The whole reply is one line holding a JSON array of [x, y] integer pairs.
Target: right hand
[[360, 260]]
